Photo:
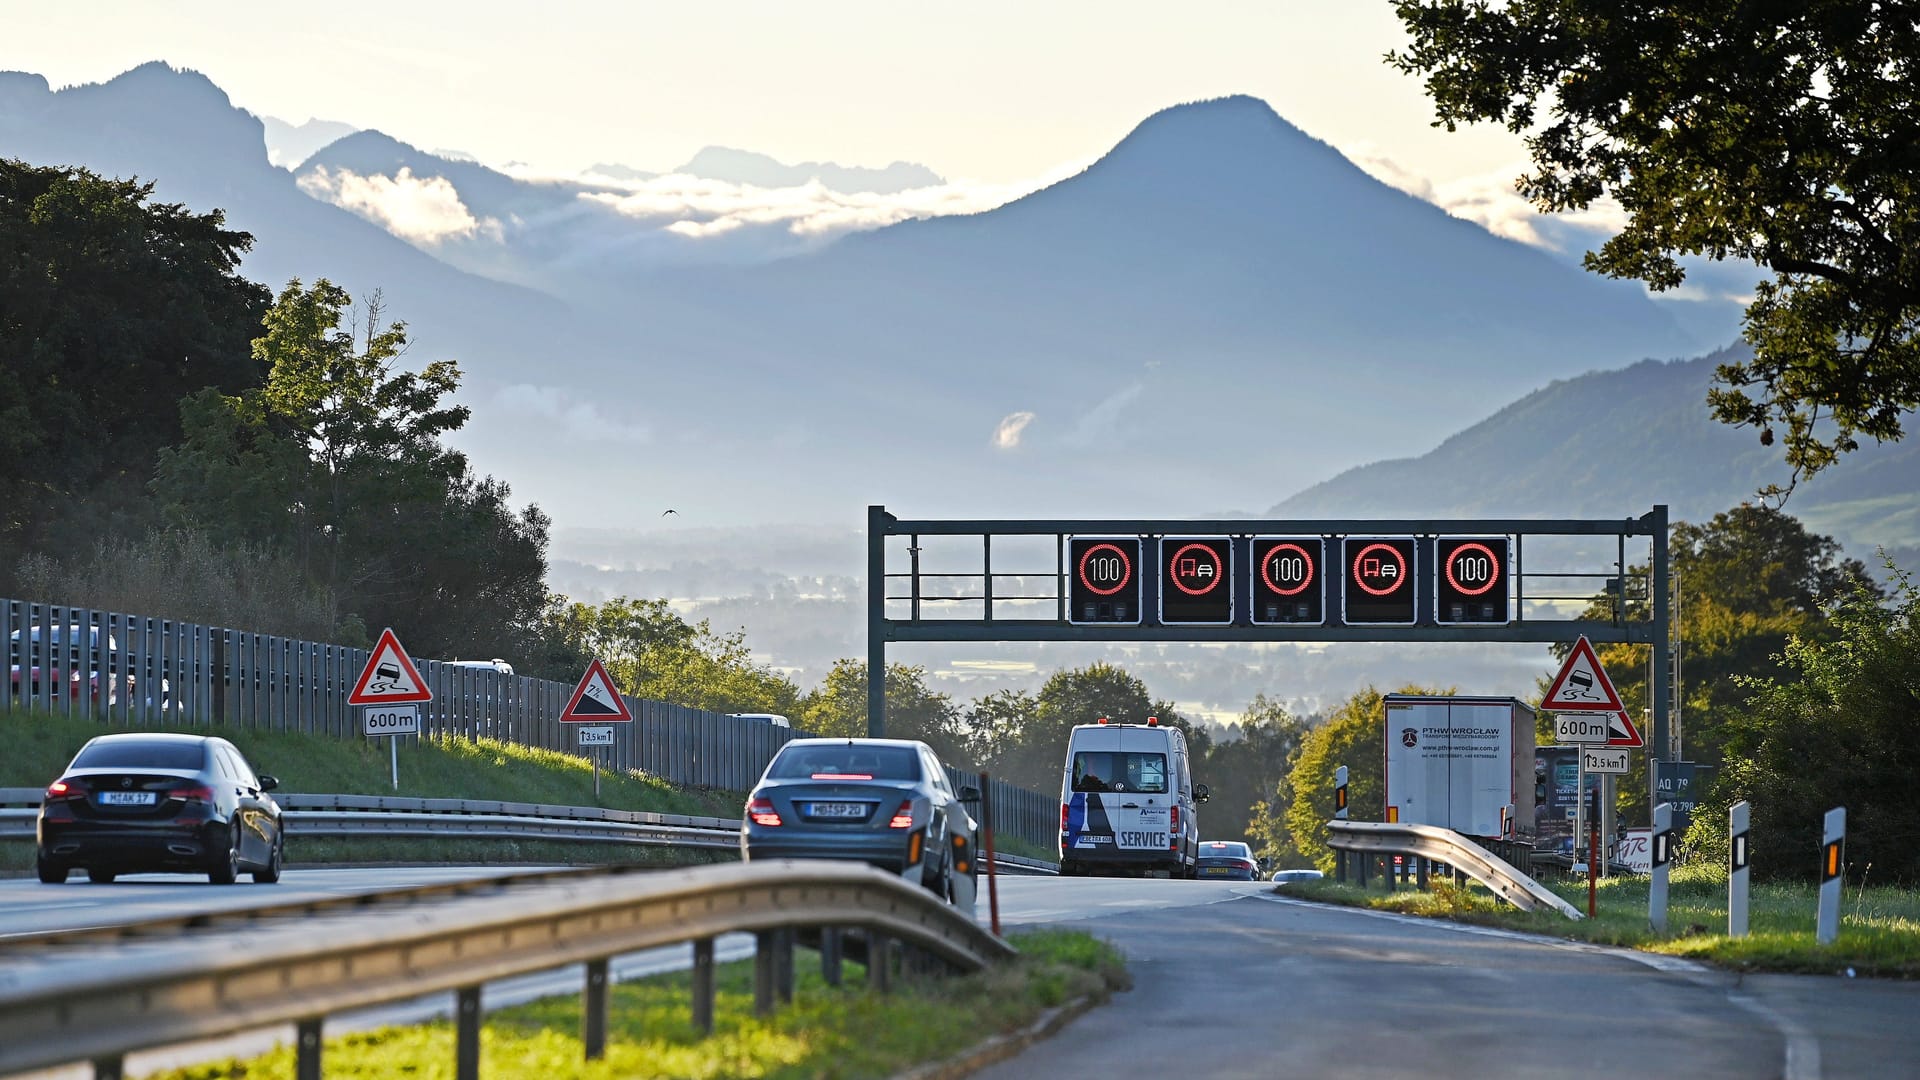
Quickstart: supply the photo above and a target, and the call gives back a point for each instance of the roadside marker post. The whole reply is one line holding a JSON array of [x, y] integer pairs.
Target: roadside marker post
[[1662, 855], [1340, 814], [1737, 858], [1833, 842]]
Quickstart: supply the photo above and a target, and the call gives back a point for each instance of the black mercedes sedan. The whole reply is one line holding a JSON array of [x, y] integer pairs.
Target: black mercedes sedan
[[140, 802]]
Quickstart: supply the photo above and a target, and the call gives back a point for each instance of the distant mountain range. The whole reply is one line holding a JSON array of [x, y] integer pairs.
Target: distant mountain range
[[1220, 309], [1613, 444], [288, 145], [747, 167]]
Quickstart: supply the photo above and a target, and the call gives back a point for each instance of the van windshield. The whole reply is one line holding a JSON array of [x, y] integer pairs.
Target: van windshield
[[1117, 770]]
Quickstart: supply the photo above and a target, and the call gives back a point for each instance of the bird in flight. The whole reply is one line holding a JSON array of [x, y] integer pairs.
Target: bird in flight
[[664, 513]]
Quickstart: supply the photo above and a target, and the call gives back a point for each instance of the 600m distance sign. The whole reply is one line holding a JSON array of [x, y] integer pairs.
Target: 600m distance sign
[[1103, 580]]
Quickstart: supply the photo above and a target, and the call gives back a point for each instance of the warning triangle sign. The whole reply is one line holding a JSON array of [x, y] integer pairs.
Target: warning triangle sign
[[390, 677], [1621, 731], [595, 701], [1582, 685]]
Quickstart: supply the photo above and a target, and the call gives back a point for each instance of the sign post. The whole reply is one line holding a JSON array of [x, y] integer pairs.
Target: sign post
[[1737, 857], [1662, 855], [390, 690], [1833, 842], [596, 701]]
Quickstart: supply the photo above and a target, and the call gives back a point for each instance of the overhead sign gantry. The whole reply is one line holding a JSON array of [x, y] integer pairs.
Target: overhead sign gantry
[[1264, 580]]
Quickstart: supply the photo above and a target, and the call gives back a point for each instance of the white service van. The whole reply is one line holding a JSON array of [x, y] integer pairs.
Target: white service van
[[1127, 801]]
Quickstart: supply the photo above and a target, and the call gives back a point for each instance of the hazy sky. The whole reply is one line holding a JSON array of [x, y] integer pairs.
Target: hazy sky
[[987, 90]]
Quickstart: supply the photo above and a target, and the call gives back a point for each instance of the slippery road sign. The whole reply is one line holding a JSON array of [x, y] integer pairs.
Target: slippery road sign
[[390, 677]]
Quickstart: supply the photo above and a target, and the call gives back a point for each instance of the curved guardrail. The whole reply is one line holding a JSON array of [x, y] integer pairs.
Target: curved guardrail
[[100, 1001], [383, 815], [1457, 851]]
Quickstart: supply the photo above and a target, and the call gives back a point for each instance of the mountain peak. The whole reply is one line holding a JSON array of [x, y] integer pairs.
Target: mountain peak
[[181, 85]]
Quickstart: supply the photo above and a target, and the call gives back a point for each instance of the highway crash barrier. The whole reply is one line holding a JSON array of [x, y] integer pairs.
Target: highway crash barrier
[[93, 1000], [382, 815], [1446, 846]]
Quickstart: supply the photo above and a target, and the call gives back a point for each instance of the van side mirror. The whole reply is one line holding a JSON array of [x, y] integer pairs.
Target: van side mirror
[[969, 794], [268, 782], [1201, 793]]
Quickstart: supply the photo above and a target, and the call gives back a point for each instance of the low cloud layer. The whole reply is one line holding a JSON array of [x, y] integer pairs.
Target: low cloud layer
[[696, 208], [423, 211]]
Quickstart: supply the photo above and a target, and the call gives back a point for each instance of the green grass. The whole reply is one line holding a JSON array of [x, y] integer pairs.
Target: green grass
[[846, 1032], [1879, 927], [39, 745]]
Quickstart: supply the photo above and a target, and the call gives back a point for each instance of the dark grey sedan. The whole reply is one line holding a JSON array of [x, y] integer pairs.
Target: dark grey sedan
[[149, 801], [886, 802]]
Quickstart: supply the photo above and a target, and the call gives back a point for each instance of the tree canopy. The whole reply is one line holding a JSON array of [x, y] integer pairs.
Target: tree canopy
[[1748, 581], [112, 308], [1834, 727], [338, 461], [1787, 135]]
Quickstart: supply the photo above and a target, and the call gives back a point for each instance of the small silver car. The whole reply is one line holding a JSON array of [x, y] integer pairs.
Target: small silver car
[[885, 802]]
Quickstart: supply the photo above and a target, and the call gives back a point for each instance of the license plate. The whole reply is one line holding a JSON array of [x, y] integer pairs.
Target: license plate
[[1215, 871], [126, 798], [838, 809]]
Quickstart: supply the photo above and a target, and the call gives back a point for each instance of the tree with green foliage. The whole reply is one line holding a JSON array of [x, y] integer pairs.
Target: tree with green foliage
[[1834, 727], [838, 708], [651, 652], [1031, 754], [338, 461], [112, 309], [1250, 772], [1748, 581], [1780, 134], [1352, 736], [994, 726]]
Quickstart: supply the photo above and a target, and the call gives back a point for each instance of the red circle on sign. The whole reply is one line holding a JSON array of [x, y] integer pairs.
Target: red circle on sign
[[1126, 566], [1399, 560], [1492, 563], [1268, 578], [1175, 578]]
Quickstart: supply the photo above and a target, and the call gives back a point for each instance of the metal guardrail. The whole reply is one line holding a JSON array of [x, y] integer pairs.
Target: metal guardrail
[[1457, 851], [383, 815], [99, 1002]]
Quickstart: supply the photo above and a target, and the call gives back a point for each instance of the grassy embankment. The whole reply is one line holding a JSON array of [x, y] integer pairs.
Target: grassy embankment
[[826, 1032], [39, 745], [1879, 927]]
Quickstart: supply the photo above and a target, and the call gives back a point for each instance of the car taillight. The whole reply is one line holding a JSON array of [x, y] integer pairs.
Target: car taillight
[[761, 812], [65, 789], [903, 817], [1173, 820], [191, 793], [1251, 869], [1063, 817]]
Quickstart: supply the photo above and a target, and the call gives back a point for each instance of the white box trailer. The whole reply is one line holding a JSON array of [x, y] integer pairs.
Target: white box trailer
[[1457, 761]]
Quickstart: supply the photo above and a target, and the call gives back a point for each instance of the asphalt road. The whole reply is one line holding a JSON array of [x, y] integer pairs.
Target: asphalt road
[[1230, 981]]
